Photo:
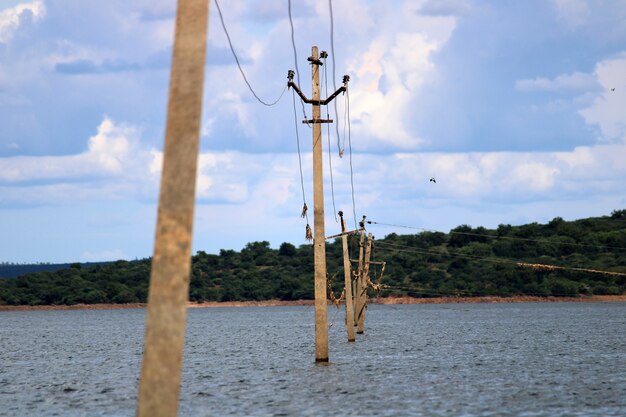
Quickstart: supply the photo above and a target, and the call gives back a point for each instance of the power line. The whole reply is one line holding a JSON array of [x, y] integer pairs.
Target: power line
[[295, 119], [295, 53], [452, 232], [219, 10], [330, 157], [404, 248], [350, 156], [332, 56]]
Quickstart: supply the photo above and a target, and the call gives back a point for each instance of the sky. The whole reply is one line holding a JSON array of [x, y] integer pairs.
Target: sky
[[516, 108]]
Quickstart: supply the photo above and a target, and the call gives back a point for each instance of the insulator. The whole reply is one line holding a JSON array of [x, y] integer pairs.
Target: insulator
[[290, 75], [346, 79]]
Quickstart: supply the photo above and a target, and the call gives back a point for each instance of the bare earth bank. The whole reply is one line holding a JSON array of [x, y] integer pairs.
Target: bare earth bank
[[388, 300]]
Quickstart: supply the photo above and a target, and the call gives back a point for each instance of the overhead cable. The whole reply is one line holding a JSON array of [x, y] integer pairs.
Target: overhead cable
[[219, 10]]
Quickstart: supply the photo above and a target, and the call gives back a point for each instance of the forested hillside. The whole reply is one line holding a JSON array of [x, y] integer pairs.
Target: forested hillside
[[560, 258]]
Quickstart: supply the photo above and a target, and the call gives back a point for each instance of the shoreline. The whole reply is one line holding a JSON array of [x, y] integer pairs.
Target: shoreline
[[382, 301]]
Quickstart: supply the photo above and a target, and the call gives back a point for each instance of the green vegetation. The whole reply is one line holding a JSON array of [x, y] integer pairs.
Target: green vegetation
[[466, 261]]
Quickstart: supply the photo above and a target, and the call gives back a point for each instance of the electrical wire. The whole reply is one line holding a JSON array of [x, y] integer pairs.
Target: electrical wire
[[232, 49], [332, 56], [330, 156], [452, 232], [295, 53], [295, 119], [405, 248], [350, 155]]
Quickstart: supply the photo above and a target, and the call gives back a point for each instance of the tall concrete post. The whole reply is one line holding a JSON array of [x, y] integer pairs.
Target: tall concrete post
[[347, 271], [359, 280], [319, 237], [159, 385], [363, 290]]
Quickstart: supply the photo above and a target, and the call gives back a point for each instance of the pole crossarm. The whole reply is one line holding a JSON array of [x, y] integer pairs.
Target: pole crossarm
[[351, 232], [330, 98]]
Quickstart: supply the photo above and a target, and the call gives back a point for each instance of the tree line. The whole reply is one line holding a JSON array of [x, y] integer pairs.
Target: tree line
[[467, 261]]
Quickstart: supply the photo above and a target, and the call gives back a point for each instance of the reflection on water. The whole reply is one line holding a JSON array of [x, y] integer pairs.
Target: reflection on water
[[553, 359]]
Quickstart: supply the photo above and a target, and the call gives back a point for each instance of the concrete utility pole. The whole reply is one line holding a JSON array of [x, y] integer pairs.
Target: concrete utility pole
[[358, 284], [363, 289], [319, 242], [347, 271], [159, 385]]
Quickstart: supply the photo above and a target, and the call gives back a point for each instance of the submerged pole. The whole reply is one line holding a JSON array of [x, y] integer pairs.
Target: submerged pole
[[159, 385], [363, 291], [358, 283], [319, 240], [347, 272]]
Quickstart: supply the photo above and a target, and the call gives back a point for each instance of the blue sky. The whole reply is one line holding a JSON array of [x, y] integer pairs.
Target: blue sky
[[509, 104]]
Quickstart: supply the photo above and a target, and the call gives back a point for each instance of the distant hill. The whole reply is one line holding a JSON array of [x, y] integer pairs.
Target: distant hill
[[560, 258], [8, 270]]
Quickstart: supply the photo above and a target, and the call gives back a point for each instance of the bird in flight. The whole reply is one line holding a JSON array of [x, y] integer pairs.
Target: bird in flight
[[613, 89], [432, 179]]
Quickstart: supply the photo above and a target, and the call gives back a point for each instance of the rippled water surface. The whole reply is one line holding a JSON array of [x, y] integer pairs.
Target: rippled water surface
[[560, 359]]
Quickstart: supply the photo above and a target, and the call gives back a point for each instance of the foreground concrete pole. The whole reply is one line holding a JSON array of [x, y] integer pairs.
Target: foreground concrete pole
[[363, 291], [319, 237], [347, 271], [359, 280], [159, 386]]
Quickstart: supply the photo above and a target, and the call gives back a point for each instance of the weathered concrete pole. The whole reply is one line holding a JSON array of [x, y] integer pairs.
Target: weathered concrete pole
[[319, 240], [347, 271], [363, 291], [359, 280], [159, 385]]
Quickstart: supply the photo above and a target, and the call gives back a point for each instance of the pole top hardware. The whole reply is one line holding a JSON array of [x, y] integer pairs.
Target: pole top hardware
[[291, 74], [323, 54], [314, 61], [317, 121], [362, 223]]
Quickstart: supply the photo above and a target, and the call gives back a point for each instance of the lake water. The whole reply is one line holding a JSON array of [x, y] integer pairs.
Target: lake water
[[530, 359]]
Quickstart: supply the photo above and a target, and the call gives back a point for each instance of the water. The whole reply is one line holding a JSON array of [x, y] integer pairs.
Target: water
[[552, 359]]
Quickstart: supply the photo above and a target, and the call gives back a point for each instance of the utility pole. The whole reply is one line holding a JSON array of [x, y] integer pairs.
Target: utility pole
[[363, 289], [319, 242], [347, 271], [358, 283], [159, 385]]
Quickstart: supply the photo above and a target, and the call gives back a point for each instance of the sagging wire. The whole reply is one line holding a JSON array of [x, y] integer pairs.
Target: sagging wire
[[232, 49], [324, 55], [346, 78], [452, 232], [340, 148], [304, 214], [295, 55]]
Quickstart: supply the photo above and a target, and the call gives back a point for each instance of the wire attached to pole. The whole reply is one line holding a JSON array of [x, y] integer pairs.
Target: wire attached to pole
[[232, 49]]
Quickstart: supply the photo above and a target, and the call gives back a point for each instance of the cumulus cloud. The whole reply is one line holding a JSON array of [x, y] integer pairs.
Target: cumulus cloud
[[12, 18], [606, 111], [387, 78], [113, 151]]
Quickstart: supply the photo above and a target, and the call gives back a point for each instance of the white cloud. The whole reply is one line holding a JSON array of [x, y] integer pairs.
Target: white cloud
[[113, 151], [385, 81], [607, 109], [577, 82], [10, 18]]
